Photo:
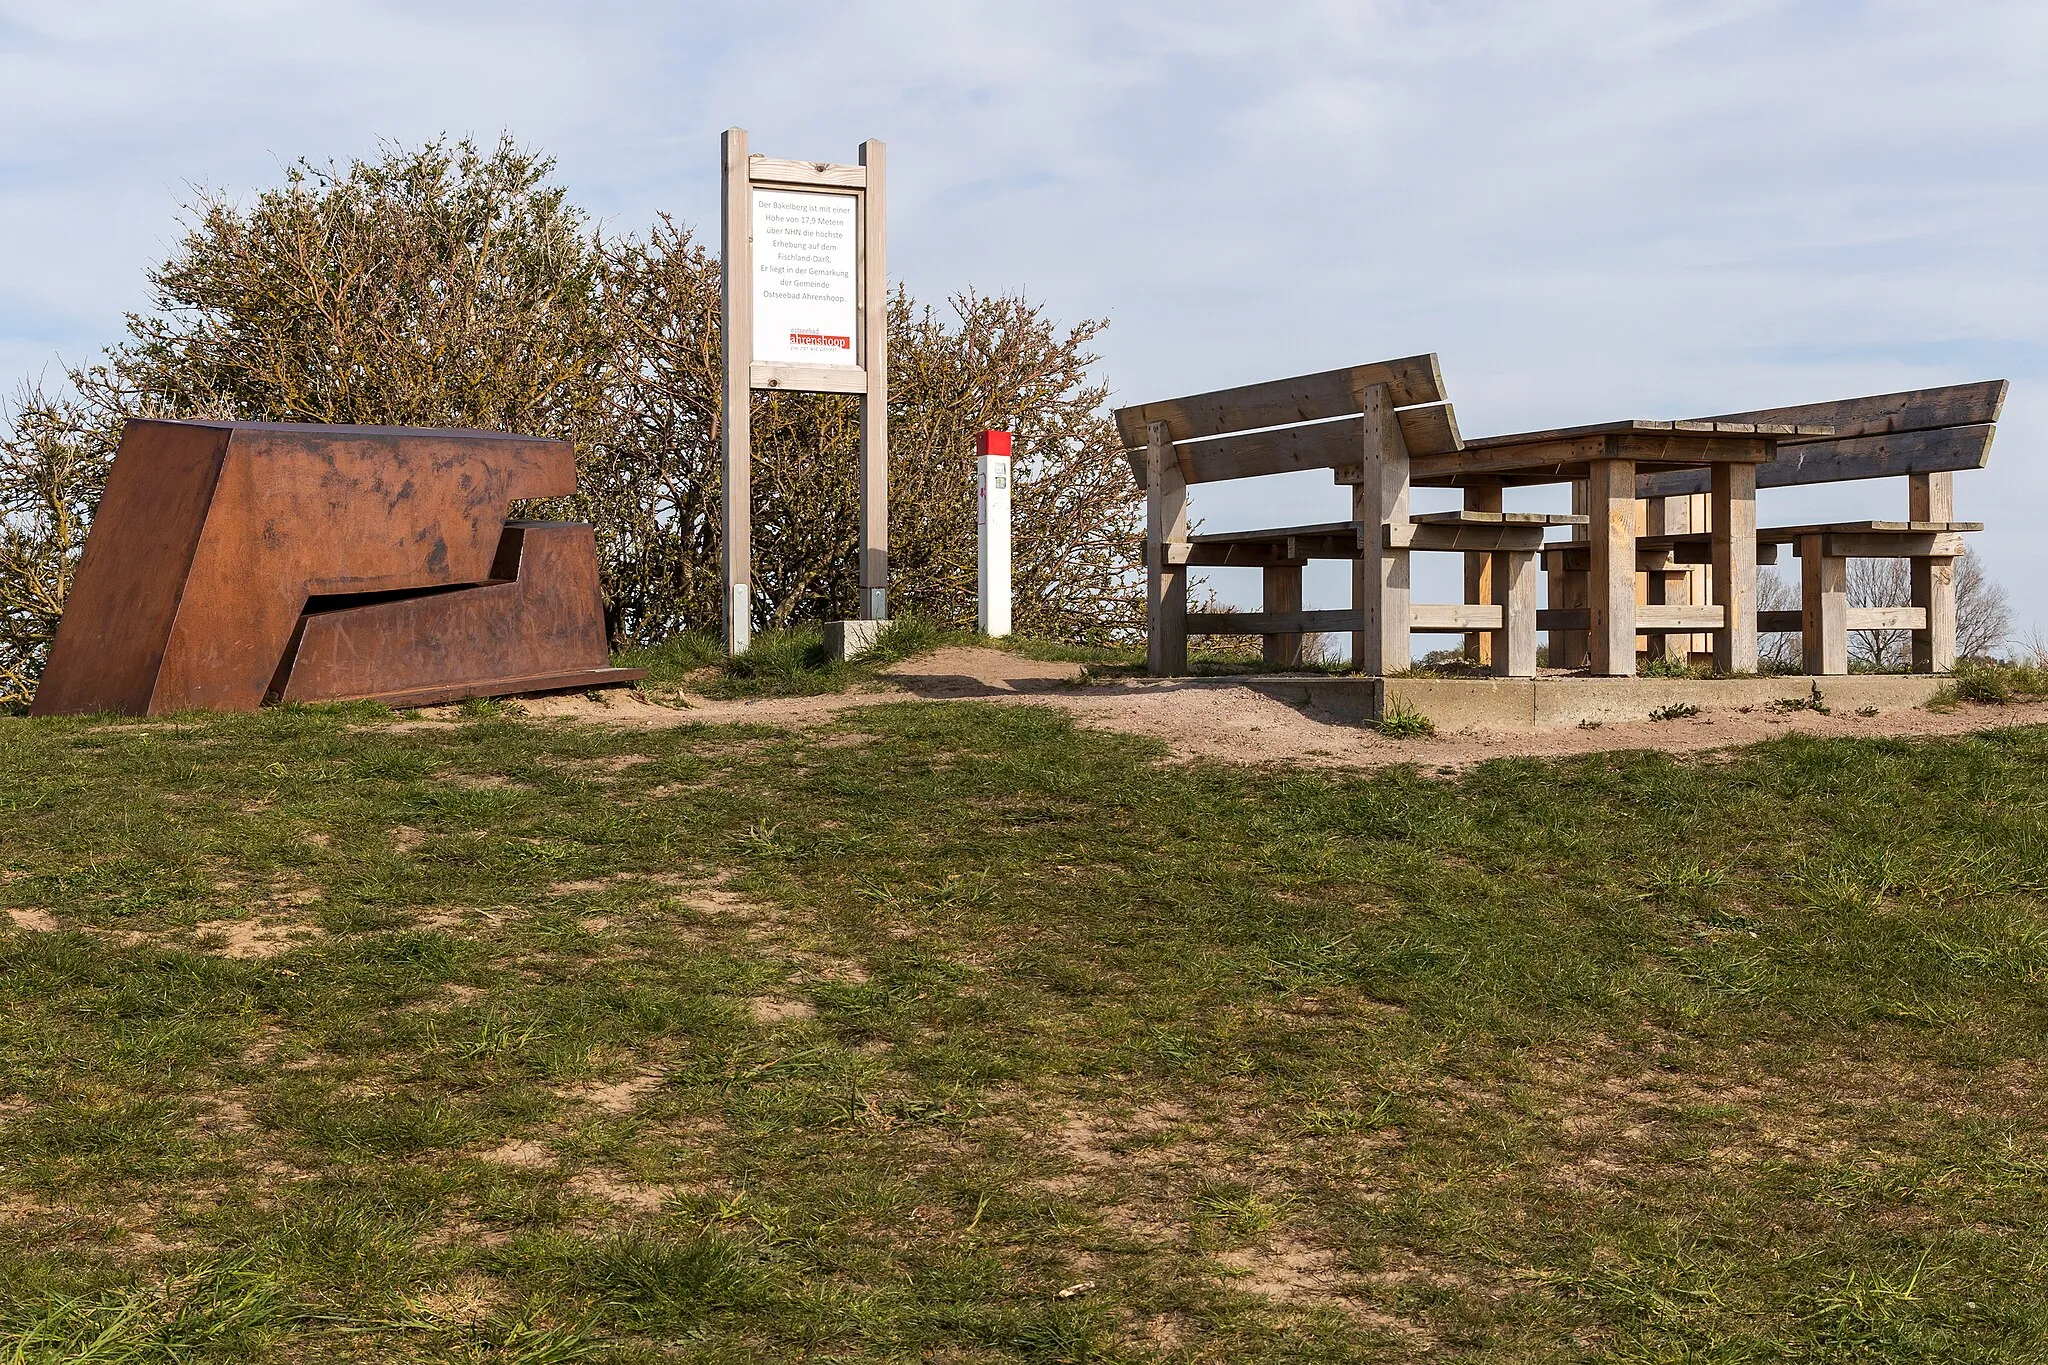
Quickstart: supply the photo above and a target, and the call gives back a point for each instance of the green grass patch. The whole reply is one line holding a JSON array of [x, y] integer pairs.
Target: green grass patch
[[332, 1035]]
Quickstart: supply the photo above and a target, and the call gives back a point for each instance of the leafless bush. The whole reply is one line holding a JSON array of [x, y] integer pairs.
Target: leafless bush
[[1777, 651], [1983, 616]]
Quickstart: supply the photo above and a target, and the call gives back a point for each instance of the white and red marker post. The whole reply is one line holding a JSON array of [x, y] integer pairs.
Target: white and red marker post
[[992, 486]]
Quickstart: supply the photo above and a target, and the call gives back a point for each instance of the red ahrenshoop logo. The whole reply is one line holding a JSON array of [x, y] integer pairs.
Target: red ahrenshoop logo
[[821, 340]]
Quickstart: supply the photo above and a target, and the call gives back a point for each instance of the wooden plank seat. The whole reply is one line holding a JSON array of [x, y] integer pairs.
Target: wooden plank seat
[[1825, 618]]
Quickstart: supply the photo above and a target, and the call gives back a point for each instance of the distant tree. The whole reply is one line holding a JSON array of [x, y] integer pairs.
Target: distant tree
[[1983, 617], [449, 285], [1776, 650], [53, 465]]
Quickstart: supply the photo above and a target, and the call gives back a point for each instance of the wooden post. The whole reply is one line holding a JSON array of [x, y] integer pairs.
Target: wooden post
[[1513, 575], [1555, 578], [1667, 587], [1931, 497], [874, 404], [736, 395], [1823, 609], [1166, 571], [1283, 594], [1734, 552], [1568, 589], [1611, 493], [1379, 579], [1481, 496]]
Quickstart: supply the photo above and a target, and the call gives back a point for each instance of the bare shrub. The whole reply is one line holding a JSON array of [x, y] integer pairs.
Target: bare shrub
[[1983, 616]]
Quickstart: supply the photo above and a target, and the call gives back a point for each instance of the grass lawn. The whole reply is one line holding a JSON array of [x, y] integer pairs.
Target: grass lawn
[[327, 1035]]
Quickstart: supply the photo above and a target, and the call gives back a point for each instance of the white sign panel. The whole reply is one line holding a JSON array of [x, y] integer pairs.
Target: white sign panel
[[806, 296]]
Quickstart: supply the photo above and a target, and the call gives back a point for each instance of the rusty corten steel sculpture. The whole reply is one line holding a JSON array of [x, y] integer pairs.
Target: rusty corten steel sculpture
[[230, 562]]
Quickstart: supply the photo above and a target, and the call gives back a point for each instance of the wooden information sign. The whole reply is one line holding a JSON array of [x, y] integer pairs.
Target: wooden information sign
[[804, 296]]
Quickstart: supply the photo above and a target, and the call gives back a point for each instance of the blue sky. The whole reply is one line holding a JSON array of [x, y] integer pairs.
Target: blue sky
[[1590, 210]]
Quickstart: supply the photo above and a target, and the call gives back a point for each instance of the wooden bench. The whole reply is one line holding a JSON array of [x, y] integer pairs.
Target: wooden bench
[[1365, 423], [1923, 436]]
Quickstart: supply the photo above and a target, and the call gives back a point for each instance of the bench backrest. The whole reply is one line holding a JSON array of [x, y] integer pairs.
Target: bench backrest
[[1922, 431], [1287, 424]]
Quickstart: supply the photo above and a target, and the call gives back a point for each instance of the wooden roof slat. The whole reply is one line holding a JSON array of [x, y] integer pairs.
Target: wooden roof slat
[[1414, 380], [1469, 518], [1320, 445], [1328, 528], [1954, 405], [1843, 459]]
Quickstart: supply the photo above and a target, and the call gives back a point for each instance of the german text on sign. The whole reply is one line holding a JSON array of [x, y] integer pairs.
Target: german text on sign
[[805, 290]]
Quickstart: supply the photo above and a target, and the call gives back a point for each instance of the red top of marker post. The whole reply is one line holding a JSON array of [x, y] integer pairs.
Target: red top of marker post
[[992, 443]]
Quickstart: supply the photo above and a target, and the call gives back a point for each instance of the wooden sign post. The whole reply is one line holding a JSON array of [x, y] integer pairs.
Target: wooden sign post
[[804, 296]]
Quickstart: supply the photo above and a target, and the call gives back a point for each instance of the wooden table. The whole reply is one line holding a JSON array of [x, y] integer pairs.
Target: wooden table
[[1608, 456]]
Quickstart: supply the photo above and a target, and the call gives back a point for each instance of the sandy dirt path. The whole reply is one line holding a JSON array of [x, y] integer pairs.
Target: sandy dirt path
[[1220, 720]]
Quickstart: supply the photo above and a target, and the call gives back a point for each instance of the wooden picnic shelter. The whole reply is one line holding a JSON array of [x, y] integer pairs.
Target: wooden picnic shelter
[[1654, 504], [1366, 424]]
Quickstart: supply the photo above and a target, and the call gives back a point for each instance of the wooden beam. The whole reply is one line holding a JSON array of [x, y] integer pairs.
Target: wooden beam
[[1931, 497], [1513, 583], [1914, 410], [874, 404], [770, 374], [1166, 583], [1650, 620], [1443, 617], [1895, 544], [1254, 555], [1558, 459], [1288, 450], [1469, 517], [1846, 459], [1269, 623], [1481, 499], [1934, 592], [1887, 618], [1824, 610], [1422, 535], [1282, 597], [1666, 586], [1303, 398], [1611, 487], [736, 399], [1379, 579], [764, 170], [1732, 518], [1784, 534]]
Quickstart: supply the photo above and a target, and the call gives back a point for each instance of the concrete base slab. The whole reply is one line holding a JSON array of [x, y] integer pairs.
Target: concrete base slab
[[1533, 703], [849, 639]]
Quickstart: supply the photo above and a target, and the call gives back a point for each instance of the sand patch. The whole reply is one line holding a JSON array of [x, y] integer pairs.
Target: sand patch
[[522, 1153], [616, 1097], [244, 938], [625, 1193], [769, 1011], [1221, 720], [31, 920], [599, 769], [467, 1300]]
